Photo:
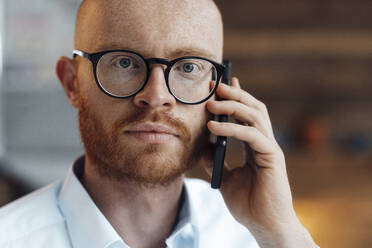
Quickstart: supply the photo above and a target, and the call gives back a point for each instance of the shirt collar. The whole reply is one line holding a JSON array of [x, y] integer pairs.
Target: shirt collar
[[185, 233], [88, 227]]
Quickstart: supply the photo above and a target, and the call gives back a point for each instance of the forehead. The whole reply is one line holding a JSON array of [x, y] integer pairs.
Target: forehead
[[155, 28]]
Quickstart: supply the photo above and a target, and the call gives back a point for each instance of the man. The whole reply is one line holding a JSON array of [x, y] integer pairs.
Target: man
[[143, 78]]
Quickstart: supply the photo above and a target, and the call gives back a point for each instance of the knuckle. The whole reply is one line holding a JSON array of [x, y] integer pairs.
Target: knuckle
[[244, 96], [260, 117], [250, 130], [255, 115], [237, 107], [262, 106], [241, 94], [234, 107]]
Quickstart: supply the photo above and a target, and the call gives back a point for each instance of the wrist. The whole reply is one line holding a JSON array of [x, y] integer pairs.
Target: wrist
[[285, 235]]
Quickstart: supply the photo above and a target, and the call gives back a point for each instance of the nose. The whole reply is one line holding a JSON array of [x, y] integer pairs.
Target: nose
[[155, 94]]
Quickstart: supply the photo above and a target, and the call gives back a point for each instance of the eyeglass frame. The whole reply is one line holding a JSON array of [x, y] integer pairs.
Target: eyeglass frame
[[96, 57]]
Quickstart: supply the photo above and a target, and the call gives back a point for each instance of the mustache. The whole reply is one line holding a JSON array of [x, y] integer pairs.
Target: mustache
[[160, 117]]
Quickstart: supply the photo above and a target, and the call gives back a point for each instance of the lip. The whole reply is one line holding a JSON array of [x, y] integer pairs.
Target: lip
[[149, 127], [152, 133]]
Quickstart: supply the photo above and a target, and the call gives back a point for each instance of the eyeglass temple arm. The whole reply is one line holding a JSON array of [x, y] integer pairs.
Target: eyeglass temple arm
[[80, 53]]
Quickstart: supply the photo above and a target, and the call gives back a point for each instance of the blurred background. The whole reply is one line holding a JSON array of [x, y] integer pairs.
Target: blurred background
[[309, 61]]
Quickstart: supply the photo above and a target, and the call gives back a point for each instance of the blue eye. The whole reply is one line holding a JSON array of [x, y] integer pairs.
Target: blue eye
[[125, 63], [188, 67]]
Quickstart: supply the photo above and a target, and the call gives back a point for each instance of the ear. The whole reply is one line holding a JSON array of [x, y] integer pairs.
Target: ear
[[66, 72]]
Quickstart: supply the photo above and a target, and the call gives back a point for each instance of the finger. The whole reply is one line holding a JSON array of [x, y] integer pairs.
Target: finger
[[233, 93], [235, 82], [242, 113], [256, 140]]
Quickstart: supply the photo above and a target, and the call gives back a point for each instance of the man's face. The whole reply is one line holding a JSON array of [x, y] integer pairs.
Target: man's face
[[150, 137]]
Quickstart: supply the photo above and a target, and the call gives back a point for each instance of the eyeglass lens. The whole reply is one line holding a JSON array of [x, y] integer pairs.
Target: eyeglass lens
[[124, 73]]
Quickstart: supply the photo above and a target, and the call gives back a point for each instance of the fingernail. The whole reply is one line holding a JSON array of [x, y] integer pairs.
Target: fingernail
[[214, 122], [236, 81]]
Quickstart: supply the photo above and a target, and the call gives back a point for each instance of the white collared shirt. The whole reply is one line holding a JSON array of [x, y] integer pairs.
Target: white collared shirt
[[63, 215]]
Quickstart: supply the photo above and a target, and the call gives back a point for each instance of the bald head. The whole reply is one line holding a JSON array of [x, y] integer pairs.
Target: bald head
[[151, 27]]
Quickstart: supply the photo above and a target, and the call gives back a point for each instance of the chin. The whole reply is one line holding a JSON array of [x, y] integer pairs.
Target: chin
[[153, 165]]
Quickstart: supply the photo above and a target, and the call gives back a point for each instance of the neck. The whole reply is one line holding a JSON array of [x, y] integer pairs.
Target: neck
[[143, 216]]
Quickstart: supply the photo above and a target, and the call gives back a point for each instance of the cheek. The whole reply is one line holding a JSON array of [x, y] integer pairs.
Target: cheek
[[197, 118], [111, 112], [85, 77], [105, 108]]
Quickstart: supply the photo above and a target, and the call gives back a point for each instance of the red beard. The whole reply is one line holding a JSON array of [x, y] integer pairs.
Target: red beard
[[115, 158]]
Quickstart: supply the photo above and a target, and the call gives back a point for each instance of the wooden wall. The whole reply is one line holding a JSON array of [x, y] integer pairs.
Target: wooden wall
[[310, 61]]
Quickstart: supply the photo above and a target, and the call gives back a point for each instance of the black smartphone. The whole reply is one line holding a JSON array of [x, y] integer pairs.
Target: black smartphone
[[221, 142]]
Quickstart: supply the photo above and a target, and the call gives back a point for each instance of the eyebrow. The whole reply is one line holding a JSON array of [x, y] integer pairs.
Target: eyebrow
[[180, 52], [192, 51]]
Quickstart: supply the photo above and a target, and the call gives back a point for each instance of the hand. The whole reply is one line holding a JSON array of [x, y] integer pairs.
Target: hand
[[257, 194]]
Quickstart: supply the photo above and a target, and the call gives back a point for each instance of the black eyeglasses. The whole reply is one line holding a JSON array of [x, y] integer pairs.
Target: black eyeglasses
[[123, 73]]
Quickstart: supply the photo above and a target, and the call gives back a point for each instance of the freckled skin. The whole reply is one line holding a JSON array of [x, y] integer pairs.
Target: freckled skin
[[154, 29], [140, 26]]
